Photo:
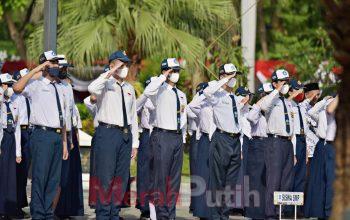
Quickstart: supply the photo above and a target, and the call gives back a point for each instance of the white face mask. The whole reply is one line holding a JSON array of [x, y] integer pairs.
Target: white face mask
[[123, 73], [231, 83], [285, 89], [174, 77], [9, 92]]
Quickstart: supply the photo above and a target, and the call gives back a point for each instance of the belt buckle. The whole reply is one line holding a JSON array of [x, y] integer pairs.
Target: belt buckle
[[58, 130], [125, 130]]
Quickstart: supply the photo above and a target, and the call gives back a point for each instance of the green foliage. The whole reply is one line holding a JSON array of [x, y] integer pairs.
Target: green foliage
[[86, 119], [163, 28], [10, 5], [297, 35], [84, 112]]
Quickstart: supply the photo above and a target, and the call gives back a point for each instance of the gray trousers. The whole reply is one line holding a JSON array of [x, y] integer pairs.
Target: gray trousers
[[224, 166], [166, 165]]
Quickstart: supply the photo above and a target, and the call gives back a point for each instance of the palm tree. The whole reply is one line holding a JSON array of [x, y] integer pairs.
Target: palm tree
[[90, 29], [338, 17]]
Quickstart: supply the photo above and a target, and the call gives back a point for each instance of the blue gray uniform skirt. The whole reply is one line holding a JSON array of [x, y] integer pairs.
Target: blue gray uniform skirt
[[200, 207], [256, 172], [239, 206], [193, 159], [322, 174], [92, 196], [143, 173], [71, 201], [23, 168], [224, 166], [8, 194]]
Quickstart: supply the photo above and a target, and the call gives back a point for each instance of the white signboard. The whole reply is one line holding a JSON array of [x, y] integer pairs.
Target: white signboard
[[288, 198]]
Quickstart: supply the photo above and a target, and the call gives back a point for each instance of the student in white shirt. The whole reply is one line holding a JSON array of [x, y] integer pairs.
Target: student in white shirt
[[116, 139], [225, 149], [318, 202], [23, 167], [167, 138], [145, 110], [48, 139], [279, 151], [204, 114], [256, 170], [10, 149]]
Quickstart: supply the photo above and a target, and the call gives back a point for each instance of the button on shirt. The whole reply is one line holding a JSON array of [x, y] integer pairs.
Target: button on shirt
[[15, 113], [257, 122], [164, 99], [22, 106], [145, 110], [222, 107], [109, 103], [42, 96], [204, 112], [326, 124], [273, 107]]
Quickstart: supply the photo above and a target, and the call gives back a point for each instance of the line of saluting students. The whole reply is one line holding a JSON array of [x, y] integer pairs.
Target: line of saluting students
[[240, 154]]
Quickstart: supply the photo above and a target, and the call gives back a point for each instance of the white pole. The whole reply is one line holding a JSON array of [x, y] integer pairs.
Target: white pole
[[248, 13], [280, 211]]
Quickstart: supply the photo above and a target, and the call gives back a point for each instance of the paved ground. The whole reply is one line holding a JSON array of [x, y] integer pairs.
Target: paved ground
[[133, 213]]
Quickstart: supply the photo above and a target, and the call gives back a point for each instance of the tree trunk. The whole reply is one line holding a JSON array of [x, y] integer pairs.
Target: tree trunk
[[338, 18], [262, 29], [16, 35]]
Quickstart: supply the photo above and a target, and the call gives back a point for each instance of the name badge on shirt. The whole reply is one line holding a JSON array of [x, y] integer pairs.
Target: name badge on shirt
[[226, 102], [182, 108]]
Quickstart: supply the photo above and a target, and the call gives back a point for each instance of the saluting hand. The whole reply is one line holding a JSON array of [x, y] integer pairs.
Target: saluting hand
[[133, 153], [279, 85], [166, 73]]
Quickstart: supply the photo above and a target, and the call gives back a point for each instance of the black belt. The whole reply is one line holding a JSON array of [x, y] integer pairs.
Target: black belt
[[324, 140], [9, 130], [106, 125], [234, 135], [145, 130], [279, 136], [166, 130], [257, 137], [56, 130], [205, 133]]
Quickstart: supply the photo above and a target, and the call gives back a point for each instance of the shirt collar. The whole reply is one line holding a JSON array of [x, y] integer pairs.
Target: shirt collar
[[168, 86], [47, 81]]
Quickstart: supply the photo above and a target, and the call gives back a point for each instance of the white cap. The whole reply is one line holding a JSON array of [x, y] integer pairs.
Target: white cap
[[6, 78], [23, 72], [267, 87]]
